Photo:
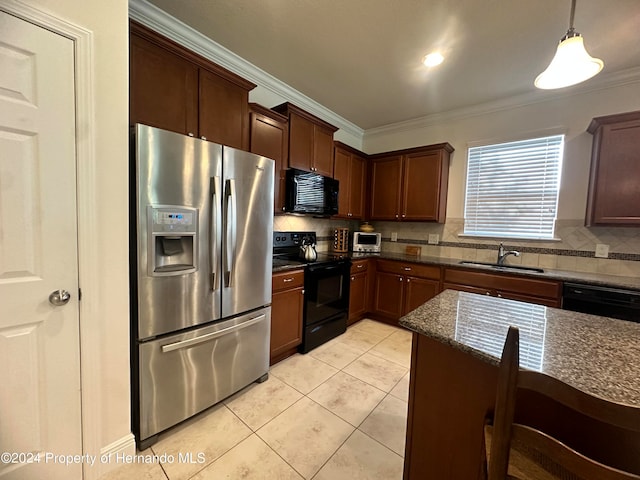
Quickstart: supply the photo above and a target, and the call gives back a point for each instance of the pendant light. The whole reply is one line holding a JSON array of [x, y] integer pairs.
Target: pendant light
[[571, 64]]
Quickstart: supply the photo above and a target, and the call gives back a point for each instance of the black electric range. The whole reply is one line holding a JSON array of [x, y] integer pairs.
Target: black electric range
[[326, 287]]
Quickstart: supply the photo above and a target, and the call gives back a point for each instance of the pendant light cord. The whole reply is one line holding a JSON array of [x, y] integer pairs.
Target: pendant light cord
[[572, 15], [571, 32]]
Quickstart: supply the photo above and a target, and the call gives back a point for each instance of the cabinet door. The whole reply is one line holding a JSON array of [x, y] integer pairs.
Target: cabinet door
[[357, 184], [388, 295], [224, 111], [386, 177], [163, 88], [417, 291], [322, 151], [614, 195], [269, 138], [421, 186], [341, 172], [358, 296], [300, 143], [286, 321]]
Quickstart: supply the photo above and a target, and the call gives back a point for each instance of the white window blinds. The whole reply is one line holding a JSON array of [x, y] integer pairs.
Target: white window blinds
[[512, 188]]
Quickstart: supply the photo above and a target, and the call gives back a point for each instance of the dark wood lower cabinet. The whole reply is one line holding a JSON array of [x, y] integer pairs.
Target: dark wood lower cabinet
[[418, 291], [401, 287], [513, 287], [387, 299], [286, 314], [358, 291]]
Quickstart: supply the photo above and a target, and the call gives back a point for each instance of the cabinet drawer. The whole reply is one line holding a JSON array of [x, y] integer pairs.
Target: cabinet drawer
[[287, 280], [359, 266], [407, 268], [504, 282]]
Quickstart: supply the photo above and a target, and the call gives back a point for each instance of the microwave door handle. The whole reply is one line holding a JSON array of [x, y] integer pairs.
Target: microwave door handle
[[230, 231], [214, 229], [295, 191]]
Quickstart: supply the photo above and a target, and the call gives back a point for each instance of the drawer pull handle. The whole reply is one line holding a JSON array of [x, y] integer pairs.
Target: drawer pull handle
[[359, 266], [287, 280], [407, 269]]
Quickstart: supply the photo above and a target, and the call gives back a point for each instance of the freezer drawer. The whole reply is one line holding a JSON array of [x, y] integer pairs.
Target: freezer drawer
[[184, 374]]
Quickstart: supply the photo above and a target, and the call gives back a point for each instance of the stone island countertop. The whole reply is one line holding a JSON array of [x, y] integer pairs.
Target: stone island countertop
[[597, 355]]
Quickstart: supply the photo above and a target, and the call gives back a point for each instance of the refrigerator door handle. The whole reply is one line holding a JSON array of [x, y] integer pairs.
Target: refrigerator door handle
[[170, 347], [230, 231], [214, 228]]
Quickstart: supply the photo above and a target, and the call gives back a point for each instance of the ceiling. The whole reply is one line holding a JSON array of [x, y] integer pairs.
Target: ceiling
[[362, 58]]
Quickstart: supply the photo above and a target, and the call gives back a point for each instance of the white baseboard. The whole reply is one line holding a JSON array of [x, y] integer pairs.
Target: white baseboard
[[107, 462]]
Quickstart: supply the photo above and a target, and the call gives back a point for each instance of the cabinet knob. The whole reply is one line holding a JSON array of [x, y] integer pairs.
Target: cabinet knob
[[408, 280], [407, 269], [403, 215], [360, 266], [302, 292], [190, 134], [203, 138], [396, 215], [353, 278], [401, 279], [488, 293]]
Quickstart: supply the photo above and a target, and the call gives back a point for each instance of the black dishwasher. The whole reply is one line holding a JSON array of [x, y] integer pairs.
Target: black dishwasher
[[604, 301]]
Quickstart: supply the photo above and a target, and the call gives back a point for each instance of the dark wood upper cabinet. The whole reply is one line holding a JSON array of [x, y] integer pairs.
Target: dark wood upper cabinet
[[349, 169], [178, 90], [310, 140], [386, 184], [269, 136], [614, 181], [411, 185], [172, 102]]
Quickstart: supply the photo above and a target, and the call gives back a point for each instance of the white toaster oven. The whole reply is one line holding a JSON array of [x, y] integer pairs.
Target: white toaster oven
[[366, 242]]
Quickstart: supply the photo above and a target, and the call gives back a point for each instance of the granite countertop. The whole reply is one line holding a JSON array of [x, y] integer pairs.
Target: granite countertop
[[613, 281], [598, 355]]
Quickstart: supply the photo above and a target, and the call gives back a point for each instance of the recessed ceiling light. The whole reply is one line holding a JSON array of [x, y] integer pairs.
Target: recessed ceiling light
[[433, 59]]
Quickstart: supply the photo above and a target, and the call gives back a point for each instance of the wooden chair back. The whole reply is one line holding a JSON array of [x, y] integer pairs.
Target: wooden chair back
[[549, 450]]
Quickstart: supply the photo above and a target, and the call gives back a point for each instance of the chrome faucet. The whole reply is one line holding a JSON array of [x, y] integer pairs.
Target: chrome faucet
[[502, 255]]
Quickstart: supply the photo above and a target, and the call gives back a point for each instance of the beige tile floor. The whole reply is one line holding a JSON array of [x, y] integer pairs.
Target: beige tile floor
[[338, 412]]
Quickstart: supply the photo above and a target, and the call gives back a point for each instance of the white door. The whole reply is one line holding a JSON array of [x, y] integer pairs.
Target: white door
[[39, 342]]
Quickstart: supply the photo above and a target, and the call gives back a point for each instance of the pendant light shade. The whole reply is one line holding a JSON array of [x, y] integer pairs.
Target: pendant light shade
[[571, 64]]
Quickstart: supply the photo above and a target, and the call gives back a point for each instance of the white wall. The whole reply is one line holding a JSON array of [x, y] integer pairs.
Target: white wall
[[570, 115], [108, 20]]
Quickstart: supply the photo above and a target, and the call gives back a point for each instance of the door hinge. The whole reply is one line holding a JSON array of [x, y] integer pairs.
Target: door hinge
[[79, 294]]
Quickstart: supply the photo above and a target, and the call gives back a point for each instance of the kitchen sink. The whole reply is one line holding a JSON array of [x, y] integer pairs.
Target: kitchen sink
[[495, 266]]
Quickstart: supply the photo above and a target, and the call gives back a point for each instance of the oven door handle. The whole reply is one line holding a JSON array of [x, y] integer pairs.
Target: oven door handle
[[326, 267]]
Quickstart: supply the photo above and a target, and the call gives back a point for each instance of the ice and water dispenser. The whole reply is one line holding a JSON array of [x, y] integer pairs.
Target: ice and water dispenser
[[172, 240]]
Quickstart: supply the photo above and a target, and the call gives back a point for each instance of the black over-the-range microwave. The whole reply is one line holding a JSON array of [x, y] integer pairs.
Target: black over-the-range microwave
[[310, 193]]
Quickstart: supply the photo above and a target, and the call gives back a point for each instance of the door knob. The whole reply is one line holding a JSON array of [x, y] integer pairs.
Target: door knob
[[59, 298]]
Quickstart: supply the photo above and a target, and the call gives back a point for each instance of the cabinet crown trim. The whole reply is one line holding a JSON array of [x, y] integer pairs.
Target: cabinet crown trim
[[288, 108], [597, 122], [446, 146], [267, 112]]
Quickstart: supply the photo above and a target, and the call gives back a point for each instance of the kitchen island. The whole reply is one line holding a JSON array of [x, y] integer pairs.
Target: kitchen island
[[457, 344]]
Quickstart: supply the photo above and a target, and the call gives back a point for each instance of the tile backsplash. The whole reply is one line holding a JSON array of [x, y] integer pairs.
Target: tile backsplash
[[573, 251]]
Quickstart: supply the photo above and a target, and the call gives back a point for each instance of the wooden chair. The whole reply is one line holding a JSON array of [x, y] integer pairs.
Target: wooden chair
[[566, 462]]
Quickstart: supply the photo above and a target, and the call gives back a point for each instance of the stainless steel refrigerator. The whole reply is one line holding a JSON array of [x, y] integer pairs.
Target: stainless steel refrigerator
[[201, 243]]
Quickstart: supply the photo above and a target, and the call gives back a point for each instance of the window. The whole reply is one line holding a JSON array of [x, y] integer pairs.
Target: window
[[512, 188]]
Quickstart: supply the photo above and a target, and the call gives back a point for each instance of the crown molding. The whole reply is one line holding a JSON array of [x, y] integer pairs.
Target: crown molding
[[602, 82], [151, 16]]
